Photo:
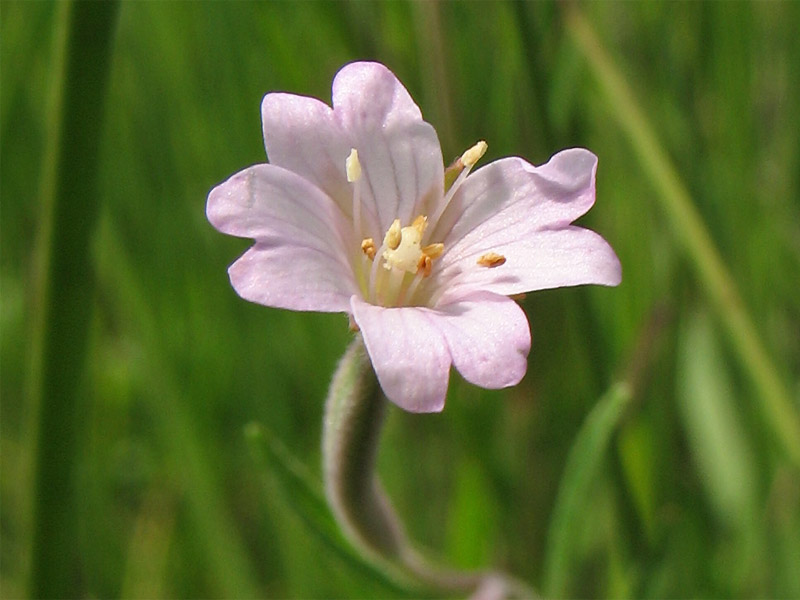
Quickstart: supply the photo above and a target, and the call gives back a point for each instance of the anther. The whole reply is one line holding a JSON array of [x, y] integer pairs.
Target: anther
[[420, 223], [491, 260], [353, 166], [455, 174], [424, 265], [434, 250], [474, 154], [393, 236], [368, 248]]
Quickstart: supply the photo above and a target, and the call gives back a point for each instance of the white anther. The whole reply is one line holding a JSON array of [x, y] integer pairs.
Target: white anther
[[353, 166], [474, 154]]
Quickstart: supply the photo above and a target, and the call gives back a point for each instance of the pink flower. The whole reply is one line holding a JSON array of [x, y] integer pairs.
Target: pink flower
[[352, 214]]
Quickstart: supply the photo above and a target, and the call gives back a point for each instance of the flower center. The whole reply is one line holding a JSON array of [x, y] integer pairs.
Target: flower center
[[404, 260], [403, 249]]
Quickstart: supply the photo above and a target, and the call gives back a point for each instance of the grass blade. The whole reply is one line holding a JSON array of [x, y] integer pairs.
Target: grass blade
[[584, 461], [690, 231], [71, 207], [304, 496]]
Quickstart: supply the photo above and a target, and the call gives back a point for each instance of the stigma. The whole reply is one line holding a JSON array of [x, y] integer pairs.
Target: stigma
[[403, 245]]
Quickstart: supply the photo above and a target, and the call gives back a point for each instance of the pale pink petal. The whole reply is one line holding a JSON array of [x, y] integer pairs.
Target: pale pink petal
[[302, 135], [488, 337], [512, 192], [399, 152], [548, 259], [265, 201], [289, 276], [523, 213], [408, 352]]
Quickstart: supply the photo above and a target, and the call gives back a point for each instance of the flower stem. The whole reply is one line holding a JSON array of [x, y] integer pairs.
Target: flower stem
[[354, 416]]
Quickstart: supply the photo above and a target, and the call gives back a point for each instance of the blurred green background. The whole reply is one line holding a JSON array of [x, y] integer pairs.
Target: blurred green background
[[688, 485]]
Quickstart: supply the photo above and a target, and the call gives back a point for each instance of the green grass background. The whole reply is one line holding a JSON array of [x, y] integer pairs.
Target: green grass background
[[684, 484]]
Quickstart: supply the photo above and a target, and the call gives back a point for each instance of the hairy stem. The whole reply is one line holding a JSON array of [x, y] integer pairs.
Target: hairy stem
[[354, 415], [353, 418]]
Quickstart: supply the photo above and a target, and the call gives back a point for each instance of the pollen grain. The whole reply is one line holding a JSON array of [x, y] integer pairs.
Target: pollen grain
[[491, 260], [368, 248]]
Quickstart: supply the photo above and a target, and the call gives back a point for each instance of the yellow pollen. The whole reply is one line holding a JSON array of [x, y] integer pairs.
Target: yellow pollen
[[368, 248], [403, 251], [434, 250], [425, 265], [353, 166], [491, 260], [393, 236], [420, 224], [405, 254], [474, 154]]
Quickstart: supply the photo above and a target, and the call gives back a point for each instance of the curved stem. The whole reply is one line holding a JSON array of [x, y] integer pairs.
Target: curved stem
[[354, 414], [353, 418]]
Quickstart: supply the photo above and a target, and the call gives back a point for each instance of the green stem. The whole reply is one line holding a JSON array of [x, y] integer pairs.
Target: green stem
[[688, 227], [353, 419], [71, 205]]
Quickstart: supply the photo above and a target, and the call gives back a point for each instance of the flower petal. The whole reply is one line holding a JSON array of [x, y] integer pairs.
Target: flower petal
[[511, 191], [400, 155], [524, 213], [302, 135], [408, 352], [549, 259], [294, 277], [489, 339], [265, 201]]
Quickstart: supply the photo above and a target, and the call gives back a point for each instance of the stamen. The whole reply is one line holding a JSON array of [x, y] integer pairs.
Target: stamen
[[468, 160], [474, 154], [406, 253], [393, 284], [373, 273], [393, 236], [401, 252], [353, 168], [433, 250], [408, 293], [451, 172], [420, 224], [368, 248], [424, 265], [491, 260]]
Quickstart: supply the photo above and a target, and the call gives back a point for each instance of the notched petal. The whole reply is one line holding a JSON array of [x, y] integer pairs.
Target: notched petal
[[488, 337], [292, 277], [408, 353]]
